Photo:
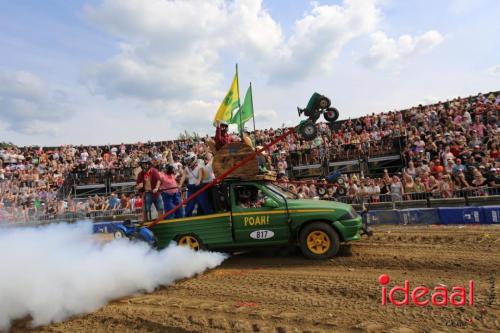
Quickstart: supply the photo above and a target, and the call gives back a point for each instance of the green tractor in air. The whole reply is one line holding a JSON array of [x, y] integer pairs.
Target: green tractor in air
[[318, 105]]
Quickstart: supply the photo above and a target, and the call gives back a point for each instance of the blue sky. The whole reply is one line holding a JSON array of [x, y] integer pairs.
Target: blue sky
[[111, 71]]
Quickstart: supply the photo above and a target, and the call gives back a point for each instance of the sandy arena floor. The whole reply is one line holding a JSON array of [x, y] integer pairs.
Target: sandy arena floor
[[263, 293]]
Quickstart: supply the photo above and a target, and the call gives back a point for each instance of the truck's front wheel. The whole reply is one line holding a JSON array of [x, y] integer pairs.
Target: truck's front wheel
[[319, 241]]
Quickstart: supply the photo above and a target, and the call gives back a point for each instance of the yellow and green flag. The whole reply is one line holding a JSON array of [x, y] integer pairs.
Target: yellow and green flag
[[229, 103]]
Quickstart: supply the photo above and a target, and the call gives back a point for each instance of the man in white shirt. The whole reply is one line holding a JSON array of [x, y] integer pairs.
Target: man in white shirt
[[193, 173]]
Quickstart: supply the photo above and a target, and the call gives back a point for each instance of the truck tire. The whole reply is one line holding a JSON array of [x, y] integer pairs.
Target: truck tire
[[319, 240], [190, 240]]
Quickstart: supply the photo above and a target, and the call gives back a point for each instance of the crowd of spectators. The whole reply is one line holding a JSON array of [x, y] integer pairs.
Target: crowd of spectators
[[447, 147], [450, 149]]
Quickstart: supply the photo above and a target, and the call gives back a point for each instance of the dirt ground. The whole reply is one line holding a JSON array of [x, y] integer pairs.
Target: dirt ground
[[284, 294]]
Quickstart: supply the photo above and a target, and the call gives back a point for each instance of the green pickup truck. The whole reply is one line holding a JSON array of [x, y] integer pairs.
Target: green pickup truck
[[259, 213]]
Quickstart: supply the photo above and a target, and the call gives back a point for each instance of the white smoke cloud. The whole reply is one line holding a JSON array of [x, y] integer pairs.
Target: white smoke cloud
[[57, 271]]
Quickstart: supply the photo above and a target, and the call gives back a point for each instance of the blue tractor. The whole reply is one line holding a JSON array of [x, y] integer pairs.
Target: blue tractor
[[334, 177], [135, 231]]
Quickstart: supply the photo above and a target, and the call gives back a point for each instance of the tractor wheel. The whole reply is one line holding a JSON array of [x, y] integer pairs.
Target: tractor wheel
[[319, 240], [341, 191], [340, 181], [309, 131], [190, 240], [324, 102], [331, 115], [322, 191], [119, 234]]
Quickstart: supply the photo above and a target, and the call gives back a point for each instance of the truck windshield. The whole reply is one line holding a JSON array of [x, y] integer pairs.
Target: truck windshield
[[282, 191]]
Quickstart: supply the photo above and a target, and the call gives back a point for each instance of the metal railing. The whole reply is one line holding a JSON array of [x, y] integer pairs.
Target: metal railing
[[19, 216], [465, 193], [343, 152], [94, 176], [36, 217]]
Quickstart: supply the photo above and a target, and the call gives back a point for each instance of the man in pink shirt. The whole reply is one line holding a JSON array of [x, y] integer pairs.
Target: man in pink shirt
[[148, 184], [170, 191]]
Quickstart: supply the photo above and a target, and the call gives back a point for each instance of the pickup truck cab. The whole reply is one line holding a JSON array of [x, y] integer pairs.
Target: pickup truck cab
[[251, 214]]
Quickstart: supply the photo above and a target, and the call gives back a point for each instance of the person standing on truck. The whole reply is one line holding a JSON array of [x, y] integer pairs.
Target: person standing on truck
[[148, 184], [194, 173], [170, 192], [221, 135], [208, 177]]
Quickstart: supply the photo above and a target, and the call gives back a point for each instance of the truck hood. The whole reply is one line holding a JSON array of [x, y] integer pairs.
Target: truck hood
[[317, 204]]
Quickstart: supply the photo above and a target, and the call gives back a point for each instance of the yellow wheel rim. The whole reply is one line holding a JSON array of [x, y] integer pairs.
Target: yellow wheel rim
[[190, 241], [318, 242]]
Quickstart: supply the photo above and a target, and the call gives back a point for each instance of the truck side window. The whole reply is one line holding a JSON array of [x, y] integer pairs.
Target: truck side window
[[248, 196]]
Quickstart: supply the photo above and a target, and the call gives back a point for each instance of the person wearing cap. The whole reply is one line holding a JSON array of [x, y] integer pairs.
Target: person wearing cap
[[148, 184], [170, 192], [194, 173], [222, 136]]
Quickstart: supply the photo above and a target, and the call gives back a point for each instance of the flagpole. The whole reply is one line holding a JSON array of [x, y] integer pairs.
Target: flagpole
[[253, 111], [239, 106]]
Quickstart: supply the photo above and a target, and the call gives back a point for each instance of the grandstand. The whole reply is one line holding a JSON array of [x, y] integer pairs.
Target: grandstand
[[440, 154]]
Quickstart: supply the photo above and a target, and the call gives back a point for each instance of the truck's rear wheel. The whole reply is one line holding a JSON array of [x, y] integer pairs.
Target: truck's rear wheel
[[190, 240], [319, 241]]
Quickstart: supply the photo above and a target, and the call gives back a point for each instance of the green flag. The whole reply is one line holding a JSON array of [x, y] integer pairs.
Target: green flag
[[246, 111]]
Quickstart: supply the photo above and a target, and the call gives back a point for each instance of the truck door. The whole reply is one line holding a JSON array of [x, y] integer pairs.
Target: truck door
[[258, 215]]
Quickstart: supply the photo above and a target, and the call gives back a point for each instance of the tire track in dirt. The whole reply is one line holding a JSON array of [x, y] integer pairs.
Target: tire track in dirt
[[263, 293]]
